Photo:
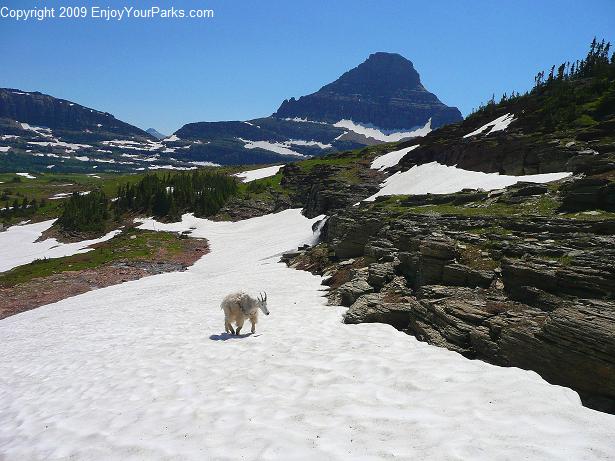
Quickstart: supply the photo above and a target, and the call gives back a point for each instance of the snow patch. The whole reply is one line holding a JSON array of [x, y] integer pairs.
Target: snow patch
[[391, 158], [299, 142], [45, 132], [26, 175], [259, 173], [435, 178], [371, 131], [278, 148], [18, 246], [204, 163], [499, 124], [170, 167], [171, 138], [303, 120], [57, 143]]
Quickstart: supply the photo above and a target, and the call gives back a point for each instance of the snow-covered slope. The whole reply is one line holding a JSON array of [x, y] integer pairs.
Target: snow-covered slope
[[141, 371], [18, 245], [435, 178]]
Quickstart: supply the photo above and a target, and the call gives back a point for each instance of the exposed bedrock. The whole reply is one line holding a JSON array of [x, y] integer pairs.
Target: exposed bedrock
[[531, 292]]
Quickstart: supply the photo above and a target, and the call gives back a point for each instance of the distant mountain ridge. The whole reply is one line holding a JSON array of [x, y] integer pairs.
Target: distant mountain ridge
[[40, 109], [381, 100], [155, 133], [384, 91]]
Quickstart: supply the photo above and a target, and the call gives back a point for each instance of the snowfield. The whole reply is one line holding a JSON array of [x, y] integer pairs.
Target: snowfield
[[141, 371], [18, 245], [435, 178], [259, 173]]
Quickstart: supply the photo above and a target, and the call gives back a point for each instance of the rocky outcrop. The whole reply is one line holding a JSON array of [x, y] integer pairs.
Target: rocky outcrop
[[323, 188], [536, 292], [384, 91], [589, 194]]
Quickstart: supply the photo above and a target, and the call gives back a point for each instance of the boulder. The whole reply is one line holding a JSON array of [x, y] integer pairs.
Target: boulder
[[380, 274], [350, 291], [372, 308]]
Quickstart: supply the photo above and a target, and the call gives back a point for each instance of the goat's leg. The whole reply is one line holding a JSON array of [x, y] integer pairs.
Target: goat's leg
[[253, 321], [228, 327], [239, 324]]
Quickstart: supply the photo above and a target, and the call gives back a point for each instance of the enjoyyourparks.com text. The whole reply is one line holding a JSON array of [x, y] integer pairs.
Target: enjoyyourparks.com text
[[102, 13]]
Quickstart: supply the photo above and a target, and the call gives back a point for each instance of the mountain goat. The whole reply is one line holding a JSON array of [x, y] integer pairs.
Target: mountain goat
[[240, 306]]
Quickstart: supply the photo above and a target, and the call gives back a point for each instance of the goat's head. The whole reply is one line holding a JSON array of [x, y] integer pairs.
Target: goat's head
[[262, 303]]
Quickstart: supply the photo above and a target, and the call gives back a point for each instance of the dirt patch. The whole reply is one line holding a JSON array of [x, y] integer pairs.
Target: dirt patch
[[46, 290]]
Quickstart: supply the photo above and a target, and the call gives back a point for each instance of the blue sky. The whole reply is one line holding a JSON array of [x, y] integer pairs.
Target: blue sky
[[253, 54]]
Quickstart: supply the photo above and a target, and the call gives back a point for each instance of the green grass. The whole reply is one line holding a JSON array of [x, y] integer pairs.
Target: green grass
[[544, 205], [143, 246]]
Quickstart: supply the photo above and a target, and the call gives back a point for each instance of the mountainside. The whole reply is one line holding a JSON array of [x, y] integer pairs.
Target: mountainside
[[384, 91], [39, 109], [40, 133]]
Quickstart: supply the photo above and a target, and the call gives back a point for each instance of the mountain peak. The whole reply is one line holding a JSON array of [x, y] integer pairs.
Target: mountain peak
[[385, 91], [380, 75]]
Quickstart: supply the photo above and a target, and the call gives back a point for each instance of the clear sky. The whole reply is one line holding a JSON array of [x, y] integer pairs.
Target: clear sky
[[253, 54]]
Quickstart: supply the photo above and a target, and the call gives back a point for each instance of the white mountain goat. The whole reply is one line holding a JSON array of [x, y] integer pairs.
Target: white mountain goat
[[240, 306]]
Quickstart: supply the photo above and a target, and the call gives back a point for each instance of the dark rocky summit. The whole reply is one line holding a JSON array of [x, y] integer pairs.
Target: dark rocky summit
[[384, 91]]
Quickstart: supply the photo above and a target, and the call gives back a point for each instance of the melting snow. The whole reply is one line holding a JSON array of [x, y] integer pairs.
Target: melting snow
[[391, 158], [303, 120], [18, 246], [171, 138], [499, 124], [205, 163], [435, 178], [260, 173], [299, 142], [170, 167], [141, 370], [278, 148], [26, 175], [45, 132], [379, 134], [4, 148], [57, 143]]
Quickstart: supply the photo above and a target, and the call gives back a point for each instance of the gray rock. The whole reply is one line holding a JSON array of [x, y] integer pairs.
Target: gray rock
[[351, 291], [371, 308], [380, 274]]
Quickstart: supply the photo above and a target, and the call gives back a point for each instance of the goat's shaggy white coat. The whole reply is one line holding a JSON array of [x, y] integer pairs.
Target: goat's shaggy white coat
[[240, 306]]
